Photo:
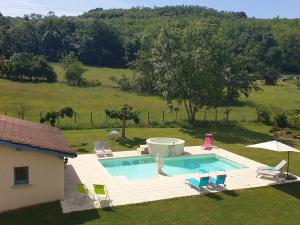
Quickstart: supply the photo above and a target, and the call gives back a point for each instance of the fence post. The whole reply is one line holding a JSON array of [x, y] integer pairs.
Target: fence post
[[163, 117], [216, 115], [92, 118], [148, 119], [204, 115], [75, 114]]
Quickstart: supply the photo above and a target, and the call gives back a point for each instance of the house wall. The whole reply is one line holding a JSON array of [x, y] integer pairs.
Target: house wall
[[46, 178]]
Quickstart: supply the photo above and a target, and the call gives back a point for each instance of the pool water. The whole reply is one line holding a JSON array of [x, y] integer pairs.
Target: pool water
[[135, 168]]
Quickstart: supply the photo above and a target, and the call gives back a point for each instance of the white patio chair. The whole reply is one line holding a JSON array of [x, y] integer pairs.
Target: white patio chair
[[106, 149], [98, 150], [277, 171]]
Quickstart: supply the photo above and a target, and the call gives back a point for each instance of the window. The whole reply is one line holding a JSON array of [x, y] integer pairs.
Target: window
[[21, 175]]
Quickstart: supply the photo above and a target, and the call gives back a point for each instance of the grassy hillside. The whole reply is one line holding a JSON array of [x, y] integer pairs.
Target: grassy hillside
[[95, 73], [44, 97]]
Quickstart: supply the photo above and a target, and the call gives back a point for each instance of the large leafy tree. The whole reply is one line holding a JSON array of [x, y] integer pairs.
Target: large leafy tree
[[194, 67], [125, 114]]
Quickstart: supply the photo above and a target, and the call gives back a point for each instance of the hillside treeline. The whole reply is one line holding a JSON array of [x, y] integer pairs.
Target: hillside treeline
[[113, 37]]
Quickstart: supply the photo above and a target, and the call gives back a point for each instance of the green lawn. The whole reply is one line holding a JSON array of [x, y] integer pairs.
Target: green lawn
[[278, 205], [44, 97]]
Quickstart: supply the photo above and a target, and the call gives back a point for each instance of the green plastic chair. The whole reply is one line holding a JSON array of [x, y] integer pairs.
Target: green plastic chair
[[81, 188], [100, 189]]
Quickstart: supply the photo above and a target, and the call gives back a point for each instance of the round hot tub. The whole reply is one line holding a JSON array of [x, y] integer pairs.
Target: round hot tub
[[165, 146]]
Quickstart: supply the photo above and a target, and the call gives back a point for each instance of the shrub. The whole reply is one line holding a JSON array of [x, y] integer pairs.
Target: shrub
[[281, 120], [124, 84], [264, 116], [73, 74], [271, 76]]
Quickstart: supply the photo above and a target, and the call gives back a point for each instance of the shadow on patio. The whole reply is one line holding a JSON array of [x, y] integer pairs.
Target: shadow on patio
[[76, 201]]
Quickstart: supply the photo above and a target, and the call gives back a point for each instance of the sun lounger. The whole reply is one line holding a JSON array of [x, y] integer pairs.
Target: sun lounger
[[98, 150], [198, 183], [277, 171], [106, 149], [218, 181]]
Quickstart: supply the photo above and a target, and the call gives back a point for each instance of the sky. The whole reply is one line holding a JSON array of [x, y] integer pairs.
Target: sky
[[253, 8]]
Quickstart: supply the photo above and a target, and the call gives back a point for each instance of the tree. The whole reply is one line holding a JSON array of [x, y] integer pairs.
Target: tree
[[281, 120], [51, 44], [192, 66], [73, 70], [40, 68], [290, 47], [124, 115], [124, 83], [271, 76], [73, 74], [20, 65], [51, 117]]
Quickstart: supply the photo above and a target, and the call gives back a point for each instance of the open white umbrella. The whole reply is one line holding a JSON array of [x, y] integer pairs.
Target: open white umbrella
[[276, 146]]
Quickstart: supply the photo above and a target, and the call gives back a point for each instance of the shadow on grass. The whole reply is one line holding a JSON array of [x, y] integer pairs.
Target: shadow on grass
[[229, 133], [292, 189], [231, 193], [214, 196], [130, 143], [47, 214]]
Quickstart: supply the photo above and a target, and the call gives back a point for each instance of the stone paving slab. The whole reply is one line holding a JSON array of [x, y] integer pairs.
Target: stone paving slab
[[87, 169]]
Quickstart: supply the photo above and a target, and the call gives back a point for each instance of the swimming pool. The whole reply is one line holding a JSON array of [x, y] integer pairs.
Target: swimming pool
[[144, 167]]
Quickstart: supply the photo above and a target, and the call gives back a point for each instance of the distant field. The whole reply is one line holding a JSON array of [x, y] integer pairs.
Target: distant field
[[44, 97], [102, 74]]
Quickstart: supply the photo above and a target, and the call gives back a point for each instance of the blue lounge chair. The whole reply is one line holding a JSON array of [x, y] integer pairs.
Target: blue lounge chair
[[198, 183], [219, 180]]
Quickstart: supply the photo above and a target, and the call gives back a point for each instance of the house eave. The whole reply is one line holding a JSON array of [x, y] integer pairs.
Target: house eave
[[22, 147]]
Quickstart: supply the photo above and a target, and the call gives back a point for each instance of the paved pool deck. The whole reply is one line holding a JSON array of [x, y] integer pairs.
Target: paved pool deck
[[87, 169]]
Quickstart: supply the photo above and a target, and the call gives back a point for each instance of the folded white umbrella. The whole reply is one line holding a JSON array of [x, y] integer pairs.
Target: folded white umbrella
[[276, 146]]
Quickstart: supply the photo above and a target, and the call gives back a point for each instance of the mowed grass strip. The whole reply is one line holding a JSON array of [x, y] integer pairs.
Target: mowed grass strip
[[259, 206]]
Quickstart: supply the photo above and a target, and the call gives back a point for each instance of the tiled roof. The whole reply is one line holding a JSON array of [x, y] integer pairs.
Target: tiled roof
[[22, 132]]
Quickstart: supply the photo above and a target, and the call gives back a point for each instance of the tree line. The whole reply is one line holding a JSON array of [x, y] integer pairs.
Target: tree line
[[113, 37]]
